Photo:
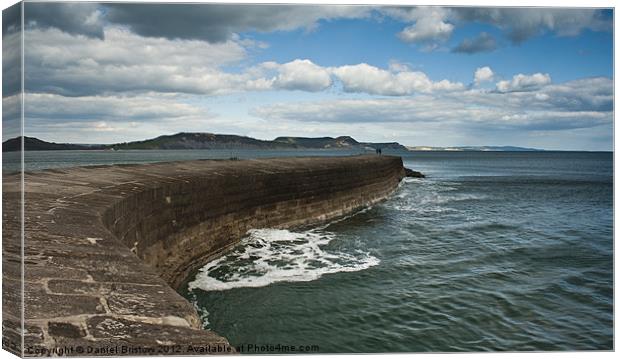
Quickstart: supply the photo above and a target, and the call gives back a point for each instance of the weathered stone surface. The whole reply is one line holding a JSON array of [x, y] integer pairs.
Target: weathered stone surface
[[12, 329], [106, 245], [67, 330]]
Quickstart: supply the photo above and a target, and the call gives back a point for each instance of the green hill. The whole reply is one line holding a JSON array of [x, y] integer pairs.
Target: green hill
[[203, 140]]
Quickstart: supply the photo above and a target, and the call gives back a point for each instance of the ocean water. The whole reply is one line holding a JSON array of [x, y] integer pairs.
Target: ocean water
[[492, 252]]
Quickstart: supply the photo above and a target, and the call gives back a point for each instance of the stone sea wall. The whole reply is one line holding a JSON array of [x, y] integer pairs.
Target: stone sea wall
[[106, 246]]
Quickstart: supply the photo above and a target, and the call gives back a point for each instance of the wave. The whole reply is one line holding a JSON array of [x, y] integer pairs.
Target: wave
[[269, 256]]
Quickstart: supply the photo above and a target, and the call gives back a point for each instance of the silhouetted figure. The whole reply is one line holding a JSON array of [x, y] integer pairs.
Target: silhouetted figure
[[378, 151]]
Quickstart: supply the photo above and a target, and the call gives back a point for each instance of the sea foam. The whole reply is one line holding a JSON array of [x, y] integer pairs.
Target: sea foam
[[269, 256]]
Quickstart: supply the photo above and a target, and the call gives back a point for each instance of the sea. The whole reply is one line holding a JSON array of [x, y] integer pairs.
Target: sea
[[493, 251]]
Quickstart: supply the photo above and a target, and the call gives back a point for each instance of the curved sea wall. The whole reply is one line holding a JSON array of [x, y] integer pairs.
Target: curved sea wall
[[106, 246]]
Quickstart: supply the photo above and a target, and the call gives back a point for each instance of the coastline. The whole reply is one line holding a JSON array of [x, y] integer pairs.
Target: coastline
[[111, 242]]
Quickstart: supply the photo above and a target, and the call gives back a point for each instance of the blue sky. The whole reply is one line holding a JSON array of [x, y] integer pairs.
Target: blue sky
[[341, 42], [422, 76]]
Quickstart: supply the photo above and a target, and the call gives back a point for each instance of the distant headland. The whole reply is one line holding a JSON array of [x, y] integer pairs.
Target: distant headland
[[204, 140]]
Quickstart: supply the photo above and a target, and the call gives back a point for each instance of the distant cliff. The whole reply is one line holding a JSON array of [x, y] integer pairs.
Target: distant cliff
[[338, 142], [318, 142], [199, 140], [34, 144], [202, 140]]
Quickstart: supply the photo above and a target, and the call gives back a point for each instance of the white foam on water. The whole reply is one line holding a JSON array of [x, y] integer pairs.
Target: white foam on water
[[411, 180], [269, 256]]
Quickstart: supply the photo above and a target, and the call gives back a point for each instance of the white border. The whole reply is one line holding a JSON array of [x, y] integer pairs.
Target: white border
[[497, 3]]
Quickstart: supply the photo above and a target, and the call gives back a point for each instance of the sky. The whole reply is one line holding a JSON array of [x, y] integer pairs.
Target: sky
[[421, 76]]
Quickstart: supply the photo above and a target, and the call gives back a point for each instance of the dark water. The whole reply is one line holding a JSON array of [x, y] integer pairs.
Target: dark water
[[494, 251]]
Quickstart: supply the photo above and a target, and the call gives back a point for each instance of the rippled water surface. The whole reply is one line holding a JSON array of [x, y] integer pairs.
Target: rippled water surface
[[493, 251]]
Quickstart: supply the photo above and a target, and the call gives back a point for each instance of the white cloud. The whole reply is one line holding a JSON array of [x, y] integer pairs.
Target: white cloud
[[214, 23], [72, 65], [11, 116], [148, 107], [580, 104], [445, 85], [521, 82], [123, 62], [430, 24], [373, 80], [426, 30], [538, 110], [588, 94], [61, 63], [108, 119], [434, 25], [483, 74], [299, 75], [11, 63], [207, 22]]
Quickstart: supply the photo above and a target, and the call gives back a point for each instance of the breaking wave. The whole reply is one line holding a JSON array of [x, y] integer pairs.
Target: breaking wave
[[269, 256]]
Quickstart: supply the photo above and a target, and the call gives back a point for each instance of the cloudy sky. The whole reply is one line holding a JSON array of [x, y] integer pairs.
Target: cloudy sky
[[436, 76]]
